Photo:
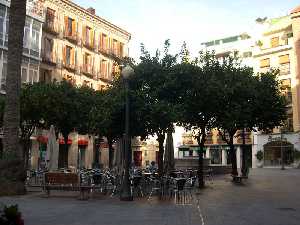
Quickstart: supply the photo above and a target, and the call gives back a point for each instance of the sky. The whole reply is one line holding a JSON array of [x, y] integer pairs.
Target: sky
[[194, 21]]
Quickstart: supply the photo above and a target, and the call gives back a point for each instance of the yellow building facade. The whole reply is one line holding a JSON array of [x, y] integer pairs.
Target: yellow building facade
[[80, 46], [85, 49]]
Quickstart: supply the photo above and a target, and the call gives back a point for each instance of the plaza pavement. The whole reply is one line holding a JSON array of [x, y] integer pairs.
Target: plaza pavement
[[268, 197]]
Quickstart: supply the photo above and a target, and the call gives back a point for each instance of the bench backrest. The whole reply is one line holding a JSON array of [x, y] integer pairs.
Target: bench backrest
[[62, 178]]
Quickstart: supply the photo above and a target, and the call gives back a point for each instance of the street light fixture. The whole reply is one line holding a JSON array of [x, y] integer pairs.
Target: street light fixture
[[126, 194]]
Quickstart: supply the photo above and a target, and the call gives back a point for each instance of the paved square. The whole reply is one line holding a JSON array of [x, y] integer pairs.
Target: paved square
[[269, 197]]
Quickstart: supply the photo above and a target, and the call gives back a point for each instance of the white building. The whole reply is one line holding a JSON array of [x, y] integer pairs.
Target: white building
[[32, 41]]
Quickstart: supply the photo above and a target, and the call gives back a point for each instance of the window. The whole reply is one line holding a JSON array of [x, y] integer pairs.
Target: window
[[247, 54], [24, 74], [48, 47], [103, 68], [50, 15], [104, 42], [284, 64], [6, 28], [3, 76], [68, 55], [88, 35], [284, 59], [274, 42], [215, 155], [2, 18], [121, 49], [26, 38], [115, 47], [69, 28], [35, 39], [265, 63]]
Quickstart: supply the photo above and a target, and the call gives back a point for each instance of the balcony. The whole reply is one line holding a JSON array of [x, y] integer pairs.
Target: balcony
[[89, 45], [102, 76], [70, 36], [51, 26], [87, 70], [69, 67], [49, 58], [257, 52], [110, 53]]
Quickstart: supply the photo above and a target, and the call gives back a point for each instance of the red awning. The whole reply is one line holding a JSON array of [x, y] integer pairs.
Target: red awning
[[62, 141], [42, 139], [83, 142]]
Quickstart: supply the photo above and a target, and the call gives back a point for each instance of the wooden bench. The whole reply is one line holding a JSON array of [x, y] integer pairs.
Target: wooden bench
[[65, 182], [238, 178]]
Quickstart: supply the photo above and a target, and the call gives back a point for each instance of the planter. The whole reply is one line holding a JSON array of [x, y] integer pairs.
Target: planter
[[260, 164]]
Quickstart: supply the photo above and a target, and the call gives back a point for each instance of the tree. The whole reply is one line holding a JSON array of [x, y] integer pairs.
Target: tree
[[237, 86], [13, 182], [63, 108], [199, 99], [107, 116], [32, 106], [150, 96], [269, 105]]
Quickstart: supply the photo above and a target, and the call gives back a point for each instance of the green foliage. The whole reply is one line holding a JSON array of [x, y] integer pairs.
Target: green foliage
[[11, 215], [259, 155]]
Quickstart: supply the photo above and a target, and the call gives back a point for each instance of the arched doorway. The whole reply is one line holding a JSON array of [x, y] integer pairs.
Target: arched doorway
[[272, 153]]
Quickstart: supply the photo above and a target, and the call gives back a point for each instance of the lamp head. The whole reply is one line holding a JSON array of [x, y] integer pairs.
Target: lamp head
[[127, 71]]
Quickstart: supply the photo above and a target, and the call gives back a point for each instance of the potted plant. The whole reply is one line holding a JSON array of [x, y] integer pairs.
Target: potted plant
[[10, 215], [260, 156], [297, 158]]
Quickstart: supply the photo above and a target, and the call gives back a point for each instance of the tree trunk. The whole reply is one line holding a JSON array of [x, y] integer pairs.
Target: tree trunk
[[110, 152], [12, 175], [160, 139], [26, 147], [233, 157], [201, 142]]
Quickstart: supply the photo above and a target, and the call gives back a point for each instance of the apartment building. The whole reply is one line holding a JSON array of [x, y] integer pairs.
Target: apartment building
[[85, 49], [235, 46], [32, 42], [80, 46]]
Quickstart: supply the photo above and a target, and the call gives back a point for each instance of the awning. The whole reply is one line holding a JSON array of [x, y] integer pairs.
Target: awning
[[62, 141], [83, 142], [42, 139]]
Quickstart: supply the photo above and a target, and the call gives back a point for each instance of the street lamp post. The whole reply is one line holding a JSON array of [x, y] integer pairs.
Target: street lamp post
[[126, 194], [244, 166], [281, 149]]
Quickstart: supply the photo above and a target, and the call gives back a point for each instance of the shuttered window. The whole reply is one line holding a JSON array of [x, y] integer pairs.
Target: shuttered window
[[274, 42], [265, 63], [284, 59]]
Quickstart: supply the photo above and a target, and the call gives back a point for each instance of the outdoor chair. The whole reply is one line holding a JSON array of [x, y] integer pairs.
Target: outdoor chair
[[180, 191], [136, 185], [156, 186]]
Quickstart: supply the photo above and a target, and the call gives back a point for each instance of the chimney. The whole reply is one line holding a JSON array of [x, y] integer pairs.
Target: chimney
[[91, 10]]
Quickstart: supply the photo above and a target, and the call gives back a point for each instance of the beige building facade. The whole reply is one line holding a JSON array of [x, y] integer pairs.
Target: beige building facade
[[80, 46], [85, 49]]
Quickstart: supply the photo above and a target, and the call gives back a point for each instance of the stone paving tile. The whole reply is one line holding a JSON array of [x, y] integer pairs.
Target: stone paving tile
[[268, 197]]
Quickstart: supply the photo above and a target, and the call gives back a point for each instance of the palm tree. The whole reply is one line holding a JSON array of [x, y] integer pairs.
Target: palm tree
[[12, 173]]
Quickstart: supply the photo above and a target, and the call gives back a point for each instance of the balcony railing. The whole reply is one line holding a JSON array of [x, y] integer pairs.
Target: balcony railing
[[49, 58], [69, 66], [71, 36], [51, 26], [89, 44], [87, 70], [103, 76], [110, 53]]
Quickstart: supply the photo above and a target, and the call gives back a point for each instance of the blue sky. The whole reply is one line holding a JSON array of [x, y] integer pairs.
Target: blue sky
[[193, 21]]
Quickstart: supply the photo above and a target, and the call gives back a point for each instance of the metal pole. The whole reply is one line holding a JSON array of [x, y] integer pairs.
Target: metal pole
[[125, 194], [281, 150]]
